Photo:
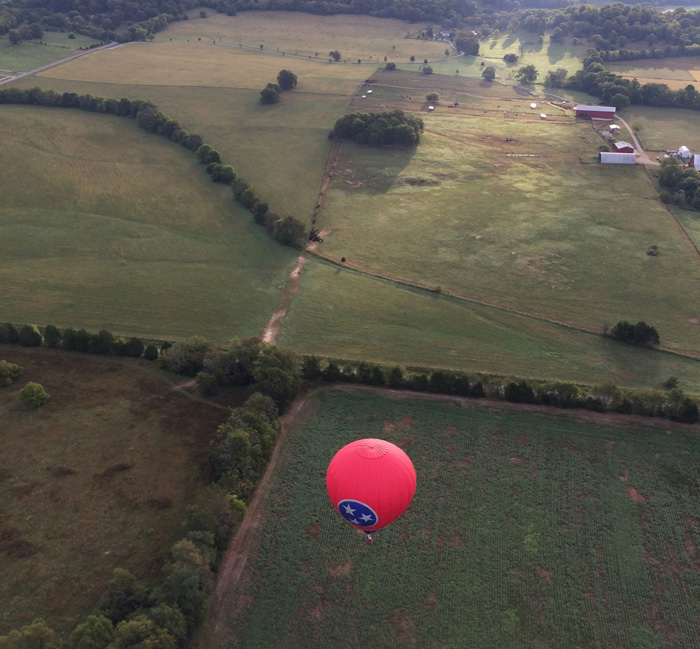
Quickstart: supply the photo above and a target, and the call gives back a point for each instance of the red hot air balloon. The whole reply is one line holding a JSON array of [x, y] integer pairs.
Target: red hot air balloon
[[371, 482]]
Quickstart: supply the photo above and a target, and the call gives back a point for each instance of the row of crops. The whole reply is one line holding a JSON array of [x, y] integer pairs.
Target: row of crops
[[525, 530]]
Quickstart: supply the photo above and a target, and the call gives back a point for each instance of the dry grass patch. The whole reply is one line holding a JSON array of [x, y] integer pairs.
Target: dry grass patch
[[97, 478]]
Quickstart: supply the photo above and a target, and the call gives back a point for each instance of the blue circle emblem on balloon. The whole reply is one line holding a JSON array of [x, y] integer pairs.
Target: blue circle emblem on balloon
[[358, 513]]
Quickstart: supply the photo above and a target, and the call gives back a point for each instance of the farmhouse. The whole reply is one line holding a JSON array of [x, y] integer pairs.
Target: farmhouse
[[595, 112], [617, 158], [623, 147]]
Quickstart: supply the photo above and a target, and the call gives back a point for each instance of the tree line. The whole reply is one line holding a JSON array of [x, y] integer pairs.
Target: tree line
[[286, 230], [377, 129], [680, 183]]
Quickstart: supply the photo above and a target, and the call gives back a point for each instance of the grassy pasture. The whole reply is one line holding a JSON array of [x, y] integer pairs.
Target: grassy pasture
[[28, 55], [519, 223], [342, 314], [97, 478], [355, 37], [526, 530], [673, 69], [663, 129], [214, 91], [194, 261]]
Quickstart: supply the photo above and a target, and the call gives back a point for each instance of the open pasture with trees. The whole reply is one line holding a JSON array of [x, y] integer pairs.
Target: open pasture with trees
[[544, 56], [503, 210], [28, 55], [127, 233], [343, 314], [301, 34], [214, 91], [525, 529], [96, 478]]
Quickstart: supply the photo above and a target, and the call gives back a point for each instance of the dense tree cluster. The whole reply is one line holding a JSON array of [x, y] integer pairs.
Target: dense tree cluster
[[249, 363], [640, 334], [615, 90], [681, 184], [377, 129]]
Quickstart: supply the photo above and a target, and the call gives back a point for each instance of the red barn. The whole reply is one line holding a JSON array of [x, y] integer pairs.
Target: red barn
[[623, 147], [595, 112]]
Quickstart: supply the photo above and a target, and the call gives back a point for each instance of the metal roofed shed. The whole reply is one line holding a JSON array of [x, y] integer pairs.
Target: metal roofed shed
[[595, 112], [623, 147], [684, 152], [615, 128], [617, 158]]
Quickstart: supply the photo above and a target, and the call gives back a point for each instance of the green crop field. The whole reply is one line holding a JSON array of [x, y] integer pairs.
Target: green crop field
[[343, 314], [28, 55], [502, 210], [127, 233], [525, 530], [97, 478]]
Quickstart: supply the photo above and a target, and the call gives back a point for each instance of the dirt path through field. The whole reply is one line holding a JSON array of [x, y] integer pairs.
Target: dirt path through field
[[227, 592]]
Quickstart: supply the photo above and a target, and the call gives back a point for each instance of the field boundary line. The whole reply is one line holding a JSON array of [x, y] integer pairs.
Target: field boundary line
[[473, 300], [109, 45]]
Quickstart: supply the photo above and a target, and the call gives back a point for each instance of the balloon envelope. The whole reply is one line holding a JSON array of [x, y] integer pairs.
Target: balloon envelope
[[371, 482]]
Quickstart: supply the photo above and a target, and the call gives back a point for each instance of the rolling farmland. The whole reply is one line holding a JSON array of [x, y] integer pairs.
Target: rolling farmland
[[526, 530]]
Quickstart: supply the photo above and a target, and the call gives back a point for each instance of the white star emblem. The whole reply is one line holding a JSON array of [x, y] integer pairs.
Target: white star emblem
[[349, 510], [366, 518]]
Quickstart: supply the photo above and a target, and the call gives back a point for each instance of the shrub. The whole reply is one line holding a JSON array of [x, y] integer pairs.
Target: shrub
[[33, 395], [9, 373]]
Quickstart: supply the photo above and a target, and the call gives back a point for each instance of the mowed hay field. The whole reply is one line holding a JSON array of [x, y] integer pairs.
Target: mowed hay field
[[97, 478], [301, 34], [343, 314], [502, 210], [103, 225], [525, 530]]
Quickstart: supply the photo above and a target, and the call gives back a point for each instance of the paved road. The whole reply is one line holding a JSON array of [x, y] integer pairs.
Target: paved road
[[60, 62]]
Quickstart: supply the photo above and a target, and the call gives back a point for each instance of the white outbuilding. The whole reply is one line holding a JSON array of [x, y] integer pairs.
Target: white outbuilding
[[684, 153], [617, 158]]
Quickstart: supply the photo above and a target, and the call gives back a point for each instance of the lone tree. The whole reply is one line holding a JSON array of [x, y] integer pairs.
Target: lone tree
[[269, 95], [489, 73], [432, 96], [527, 74], [390, 66], [287, 80], [33, 395], [427, 70], [335, 55]]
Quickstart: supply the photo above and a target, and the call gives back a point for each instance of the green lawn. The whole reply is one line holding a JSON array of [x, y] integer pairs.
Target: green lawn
[[127, 233], [525, 530], [662, 129], [343, 314], [98, 478], [470, 211], [28, 55]]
